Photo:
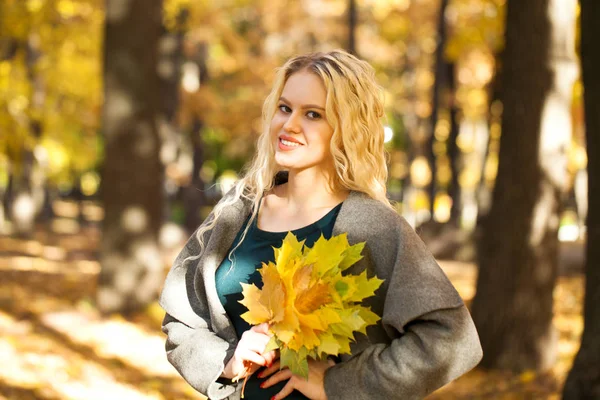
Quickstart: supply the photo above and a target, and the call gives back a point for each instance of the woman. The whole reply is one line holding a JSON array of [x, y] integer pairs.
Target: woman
[[322, 126]]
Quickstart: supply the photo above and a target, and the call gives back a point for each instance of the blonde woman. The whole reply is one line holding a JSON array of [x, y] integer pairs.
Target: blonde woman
[[319, 169]]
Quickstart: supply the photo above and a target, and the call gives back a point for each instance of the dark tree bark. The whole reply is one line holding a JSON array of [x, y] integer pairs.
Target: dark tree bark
[[19, 201], [352, 15], [170, 60], [453, 151], [494, 90], [193, 194], [20, 204], [39, 188], [440, 82], [583, 381], [131, 273], [518, 251]]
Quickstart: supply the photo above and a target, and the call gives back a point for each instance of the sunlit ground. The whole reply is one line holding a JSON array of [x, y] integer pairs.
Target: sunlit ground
[[55, 345]]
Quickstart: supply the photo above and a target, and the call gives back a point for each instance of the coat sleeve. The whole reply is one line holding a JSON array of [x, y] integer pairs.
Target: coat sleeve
[[196, 351], [431, 338], [435, 349], [199, 356]]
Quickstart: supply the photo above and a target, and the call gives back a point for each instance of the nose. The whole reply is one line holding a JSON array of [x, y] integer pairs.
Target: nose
[[292, 125]]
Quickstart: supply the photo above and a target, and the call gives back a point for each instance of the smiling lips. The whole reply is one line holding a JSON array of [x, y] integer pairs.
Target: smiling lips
[[287, 143]]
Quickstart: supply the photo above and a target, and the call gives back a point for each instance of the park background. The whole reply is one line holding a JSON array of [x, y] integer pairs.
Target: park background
[[123, 122]]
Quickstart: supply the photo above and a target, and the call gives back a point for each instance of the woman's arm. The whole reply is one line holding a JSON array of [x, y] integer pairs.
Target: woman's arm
[[426, 336], [193, 347], [199, 356], [435, 349]]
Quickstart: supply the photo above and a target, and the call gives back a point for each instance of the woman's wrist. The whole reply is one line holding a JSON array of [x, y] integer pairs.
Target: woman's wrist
[[227, 370]]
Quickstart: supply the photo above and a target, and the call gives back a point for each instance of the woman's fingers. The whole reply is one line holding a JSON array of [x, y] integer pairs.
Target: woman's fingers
[[252, 356], [279, 376], [254, 341], [262, 328], [286, 391], [270, 370], [270, 357], [249, 352], [248, 355], [312, 387]]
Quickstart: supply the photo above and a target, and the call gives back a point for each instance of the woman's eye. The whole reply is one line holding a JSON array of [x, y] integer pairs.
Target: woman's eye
[[284, 108], [313, 115]]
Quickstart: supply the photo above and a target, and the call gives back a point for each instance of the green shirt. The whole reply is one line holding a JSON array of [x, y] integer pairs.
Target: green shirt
[[257, 248]]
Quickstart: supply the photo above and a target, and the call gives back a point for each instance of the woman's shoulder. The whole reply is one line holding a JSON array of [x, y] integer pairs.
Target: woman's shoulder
[[236, 198], [367, 217], [362, 206]]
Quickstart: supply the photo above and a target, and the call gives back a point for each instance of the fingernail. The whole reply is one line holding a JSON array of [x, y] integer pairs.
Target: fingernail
[[260, 374], [273, 398], [262, 385]]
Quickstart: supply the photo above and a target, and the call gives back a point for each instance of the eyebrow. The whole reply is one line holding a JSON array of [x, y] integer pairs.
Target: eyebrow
[[305, 106]]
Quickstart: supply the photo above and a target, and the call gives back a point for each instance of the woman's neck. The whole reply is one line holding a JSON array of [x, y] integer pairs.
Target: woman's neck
[[307, 190]]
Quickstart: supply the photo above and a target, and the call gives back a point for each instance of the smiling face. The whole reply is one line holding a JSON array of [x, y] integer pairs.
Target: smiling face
[[299, 129]]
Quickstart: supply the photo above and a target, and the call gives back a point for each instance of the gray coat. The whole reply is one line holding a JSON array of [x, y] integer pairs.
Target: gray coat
[[425, 339]]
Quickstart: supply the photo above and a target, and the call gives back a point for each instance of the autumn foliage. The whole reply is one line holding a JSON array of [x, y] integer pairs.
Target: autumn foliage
[[311, 308]]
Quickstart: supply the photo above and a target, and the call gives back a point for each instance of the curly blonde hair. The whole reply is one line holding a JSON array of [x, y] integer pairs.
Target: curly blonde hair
[[354, 109]]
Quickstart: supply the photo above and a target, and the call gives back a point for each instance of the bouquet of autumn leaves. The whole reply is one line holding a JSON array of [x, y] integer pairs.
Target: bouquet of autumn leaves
[[311, 308]]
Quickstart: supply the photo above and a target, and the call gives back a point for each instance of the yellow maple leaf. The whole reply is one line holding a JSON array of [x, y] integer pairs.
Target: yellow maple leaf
[[289, 250], [302, 277], [311, 308], [359, 286], [257, 312], [328, 344], [326, 255], [352, 255], [273, 293], [313, 298]]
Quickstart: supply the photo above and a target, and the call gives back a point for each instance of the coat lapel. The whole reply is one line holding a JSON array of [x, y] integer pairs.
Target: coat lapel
[[229, 224]]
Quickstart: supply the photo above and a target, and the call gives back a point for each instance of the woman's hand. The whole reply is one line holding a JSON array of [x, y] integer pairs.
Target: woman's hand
[[249, 354], [313, 387]]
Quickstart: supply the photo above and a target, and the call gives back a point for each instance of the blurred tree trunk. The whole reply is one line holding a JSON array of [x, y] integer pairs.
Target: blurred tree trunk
[[19, 202], [132, 194], [440, 82], [484, 190], [39, 188], [352, 16], [512, 307], [583, 381], [453, 150], [170, 60], [25, 193], [193, 194]]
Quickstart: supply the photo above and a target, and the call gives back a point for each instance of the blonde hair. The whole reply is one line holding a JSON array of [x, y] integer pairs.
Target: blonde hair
[[354, 109]]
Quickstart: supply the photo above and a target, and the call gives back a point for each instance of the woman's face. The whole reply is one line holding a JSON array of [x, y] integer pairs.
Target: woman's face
[[300, 132]]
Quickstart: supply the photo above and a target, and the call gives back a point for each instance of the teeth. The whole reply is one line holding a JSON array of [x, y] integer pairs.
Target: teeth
[[288, 143]]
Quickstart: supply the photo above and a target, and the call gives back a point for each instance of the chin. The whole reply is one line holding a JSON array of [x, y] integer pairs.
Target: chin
[[283, 161]]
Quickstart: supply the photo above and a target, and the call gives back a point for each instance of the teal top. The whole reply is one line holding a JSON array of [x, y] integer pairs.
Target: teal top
[[257, 248]]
